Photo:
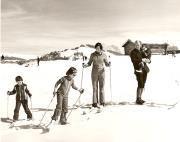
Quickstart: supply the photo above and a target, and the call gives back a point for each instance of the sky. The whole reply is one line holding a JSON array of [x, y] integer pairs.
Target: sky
[[40, 26]]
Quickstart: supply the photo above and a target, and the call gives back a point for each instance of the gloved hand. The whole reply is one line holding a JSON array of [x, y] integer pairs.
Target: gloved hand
[[146, 60], [54, 93], [81, 90], [8, 92], [84, 65]]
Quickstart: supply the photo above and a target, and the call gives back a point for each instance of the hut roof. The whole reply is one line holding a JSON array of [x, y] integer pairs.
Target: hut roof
[[127, 42]]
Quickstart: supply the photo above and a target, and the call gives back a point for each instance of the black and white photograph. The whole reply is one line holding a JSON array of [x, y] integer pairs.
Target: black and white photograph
[[90, 71]]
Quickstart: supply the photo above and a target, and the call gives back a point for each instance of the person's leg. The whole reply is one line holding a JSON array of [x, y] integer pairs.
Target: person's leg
[[94, 77], [139, 77], [97, 90], [16, 110], [101, 87], [26, 109], [63, 119], [144, 78], [58, 109], [140, 95]]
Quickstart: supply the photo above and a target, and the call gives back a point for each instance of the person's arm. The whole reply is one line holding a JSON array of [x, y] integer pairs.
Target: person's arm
[[12, 92], [108, 64], [147, 55], [89, 62], [27, 91], [57, 84], [76, 88], [146, 60]]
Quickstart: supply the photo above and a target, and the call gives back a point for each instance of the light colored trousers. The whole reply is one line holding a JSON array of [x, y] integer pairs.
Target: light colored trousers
[[98, 82]]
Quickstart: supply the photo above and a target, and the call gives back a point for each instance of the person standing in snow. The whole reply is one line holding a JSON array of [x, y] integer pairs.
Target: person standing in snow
[[98, 59], [38, 60], [2, 57], [22, 94], [139, 59], [62, 88]]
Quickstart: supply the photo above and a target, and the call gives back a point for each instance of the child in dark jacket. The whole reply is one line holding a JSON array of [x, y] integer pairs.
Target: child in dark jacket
[[146, 57], [62, 92], [21, 91]]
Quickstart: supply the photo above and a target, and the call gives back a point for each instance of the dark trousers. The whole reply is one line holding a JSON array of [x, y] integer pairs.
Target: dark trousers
[[61, 107], [141, 78], [26, 109]]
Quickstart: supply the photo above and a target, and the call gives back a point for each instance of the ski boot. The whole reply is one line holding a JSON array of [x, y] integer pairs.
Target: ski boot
[[139, 102], [63, 119]]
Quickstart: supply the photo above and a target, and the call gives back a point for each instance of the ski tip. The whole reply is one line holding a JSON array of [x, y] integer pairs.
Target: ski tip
[[45, 130], [11, 125], [99, 111], [84, 113]]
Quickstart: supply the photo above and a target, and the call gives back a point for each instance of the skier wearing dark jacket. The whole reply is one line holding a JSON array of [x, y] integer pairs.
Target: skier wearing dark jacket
[[141, 69], [98, 58], [62, 88], [21, 91]]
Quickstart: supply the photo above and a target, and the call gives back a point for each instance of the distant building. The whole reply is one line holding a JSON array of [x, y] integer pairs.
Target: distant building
[[172, 50], [155, 48]]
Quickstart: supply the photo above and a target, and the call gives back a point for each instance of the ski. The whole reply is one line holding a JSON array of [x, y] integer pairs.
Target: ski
[[94, 111], [99, 110], [91, 111], [13, 124], [149, 104], [47, 128]]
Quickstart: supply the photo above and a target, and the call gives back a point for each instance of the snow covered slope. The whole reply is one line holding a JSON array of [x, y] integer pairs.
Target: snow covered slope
[[126, 123]]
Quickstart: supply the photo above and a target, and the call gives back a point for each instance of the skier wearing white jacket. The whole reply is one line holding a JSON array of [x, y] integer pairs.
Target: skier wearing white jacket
[[98, 58]]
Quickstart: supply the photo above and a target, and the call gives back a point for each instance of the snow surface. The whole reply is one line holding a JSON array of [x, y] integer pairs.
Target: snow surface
[[116, 123]]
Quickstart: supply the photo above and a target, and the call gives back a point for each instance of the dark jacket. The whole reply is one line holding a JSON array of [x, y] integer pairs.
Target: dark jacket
[[146, 54], [21, 92], [136, 59]]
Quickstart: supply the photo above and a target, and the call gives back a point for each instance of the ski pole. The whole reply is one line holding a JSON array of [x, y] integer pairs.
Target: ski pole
[[31, 109], [46, 111], [110, 75], [110, 85], [78, 99], [31, 103], [82, 74], [74, 105], [7, 106]]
